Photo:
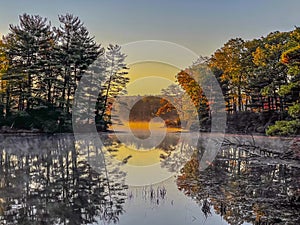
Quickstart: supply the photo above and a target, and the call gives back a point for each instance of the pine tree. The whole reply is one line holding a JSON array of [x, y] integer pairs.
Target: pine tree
[[290, 90], [88, 99], [76, 51], [116, 79], [23, 47], [269, 72]]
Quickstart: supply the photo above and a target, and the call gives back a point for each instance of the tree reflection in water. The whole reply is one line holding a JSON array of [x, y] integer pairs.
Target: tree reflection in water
[[45, 180], [244, 189]]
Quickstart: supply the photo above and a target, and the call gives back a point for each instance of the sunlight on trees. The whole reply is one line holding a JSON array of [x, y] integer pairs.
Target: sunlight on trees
[[41, 67]]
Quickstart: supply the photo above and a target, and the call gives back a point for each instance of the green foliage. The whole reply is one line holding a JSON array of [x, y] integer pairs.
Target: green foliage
[[43, 119], [20, 120], [286, 88], [115, 72], [25, 47], [266, 91], [291, 55], [294, 111], [76, 50], [284, 128], [41, 66], [47, 119], [291, 58], [262, 75]]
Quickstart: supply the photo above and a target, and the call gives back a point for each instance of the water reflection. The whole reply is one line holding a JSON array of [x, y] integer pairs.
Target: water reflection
[[146, 165], [44, 180], [241, 188], [59, 180]]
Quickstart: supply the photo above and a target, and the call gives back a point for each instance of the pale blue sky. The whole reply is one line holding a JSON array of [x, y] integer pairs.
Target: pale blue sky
[[202, 26]]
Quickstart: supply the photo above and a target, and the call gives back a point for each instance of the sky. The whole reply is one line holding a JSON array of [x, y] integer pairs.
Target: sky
[[202, 26]]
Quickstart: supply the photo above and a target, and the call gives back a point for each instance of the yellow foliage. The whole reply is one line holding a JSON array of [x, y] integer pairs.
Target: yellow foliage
[[259, 57], [3, 67], [290, 56]]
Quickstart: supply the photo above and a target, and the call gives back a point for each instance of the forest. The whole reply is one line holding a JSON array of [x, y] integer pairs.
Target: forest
[[41, 66], [260, 82], [262, 75]]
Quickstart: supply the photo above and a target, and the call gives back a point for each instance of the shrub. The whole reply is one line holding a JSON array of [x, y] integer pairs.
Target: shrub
[[294, 110], [284, 128]]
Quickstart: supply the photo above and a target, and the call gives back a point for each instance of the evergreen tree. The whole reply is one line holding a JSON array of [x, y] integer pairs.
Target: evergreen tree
[[291, 89], [116, 79], [24, 47], [252, 86], [270, 73], [45, 65], [76, 51]]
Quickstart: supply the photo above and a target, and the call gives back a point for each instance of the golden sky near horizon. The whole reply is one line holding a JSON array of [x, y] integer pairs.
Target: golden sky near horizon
[[148, 78]]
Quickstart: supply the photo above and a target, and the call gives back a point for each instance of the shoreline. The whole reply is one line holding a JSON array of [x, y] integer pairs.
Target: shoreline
[[21, 132]]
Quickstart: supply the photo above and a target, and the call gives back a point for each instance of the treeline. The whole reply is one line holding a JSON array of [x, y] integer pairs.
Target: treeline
[[257, 77], [149, 107], [41, 66]]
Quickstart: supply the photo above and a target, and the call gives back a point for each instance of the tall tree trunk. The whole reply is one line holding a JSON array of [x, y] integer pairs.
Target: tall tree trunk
[[7, 103], [28, 97], [49, 98], [240, 102], [68, 99], [276, 100], [106, 96], [63, 95]]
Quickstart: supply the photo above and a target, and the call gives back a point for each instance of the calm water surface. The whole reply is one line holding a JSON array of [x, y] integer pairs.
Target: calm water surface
[[61, 180]]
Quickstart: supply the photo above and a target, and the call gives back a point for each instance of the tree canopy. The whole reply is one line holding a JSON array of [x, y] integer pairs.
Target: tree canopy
[[41, 67]]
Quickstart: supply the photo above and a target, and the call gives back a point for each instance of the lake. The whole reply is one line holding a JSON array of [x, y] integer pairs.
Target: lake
[[173, 178]]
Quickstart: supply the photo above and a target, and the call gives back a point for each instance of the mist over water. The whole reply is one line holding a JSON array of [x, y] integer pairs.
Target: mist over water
[[47, 179]]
